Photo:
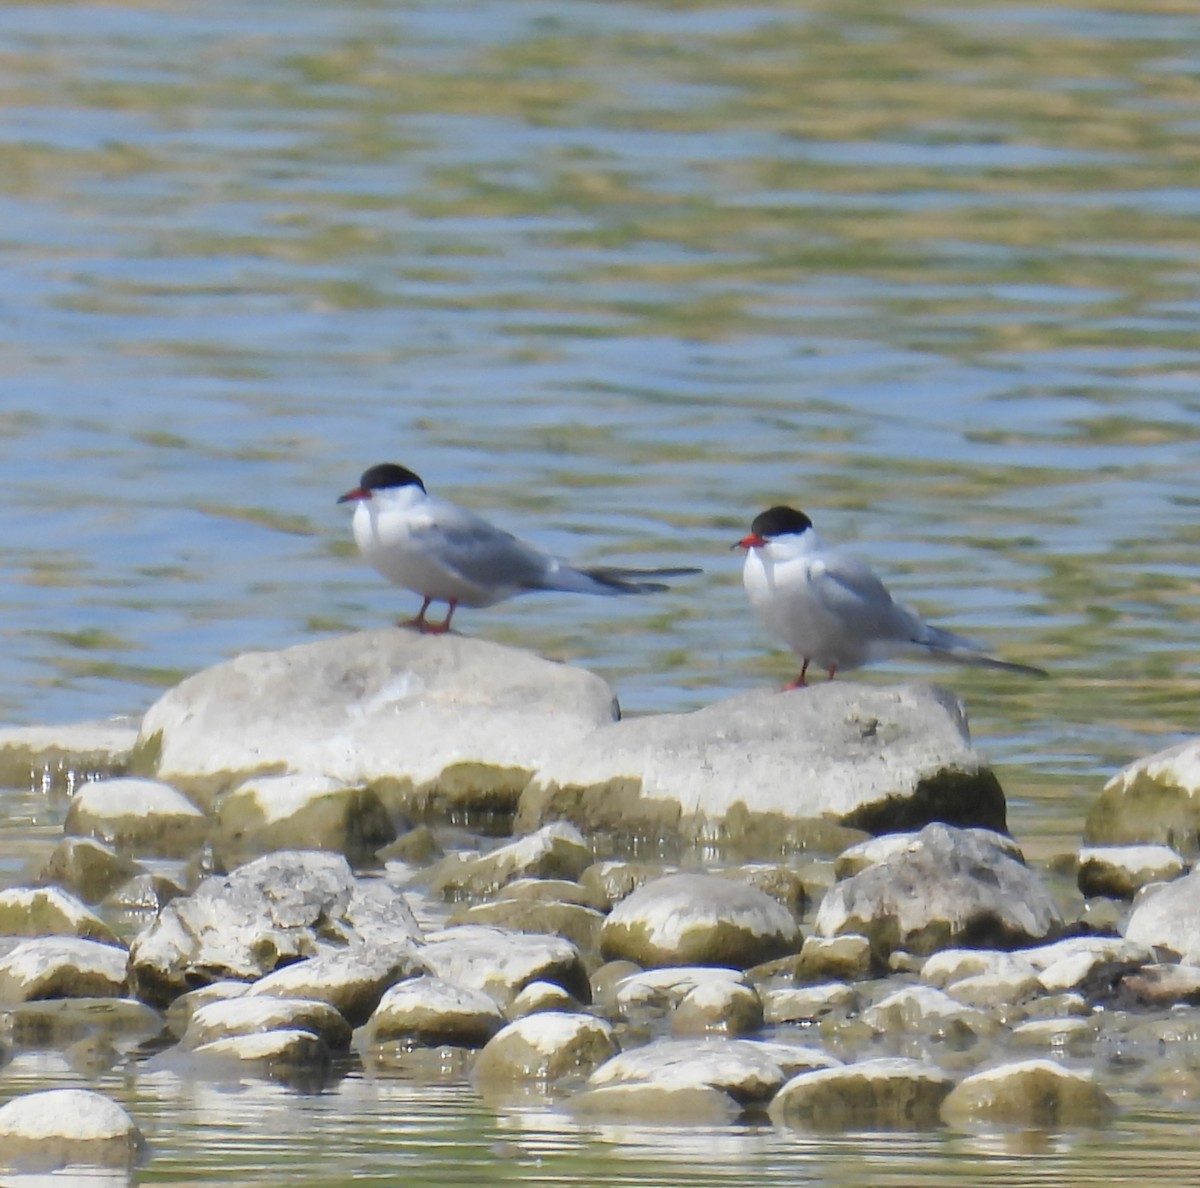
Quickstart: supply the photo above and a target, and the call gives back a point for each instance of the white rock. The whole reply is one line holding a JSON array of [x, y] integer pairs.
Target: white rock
[[62, 1127], [384, 705], [1068, 963], [62, 967], [658, 990], [844, 751], [545, 1047], [144, 816], [64, 756], [698, 919], [246, 1015], [886, 1093], [429, 1011], [952, 965], [49, 911], [1120, 871]]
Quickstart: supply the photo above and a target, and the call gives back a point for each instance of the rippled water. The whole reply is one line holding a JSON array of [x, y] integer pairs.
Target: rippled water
[[621, 275]]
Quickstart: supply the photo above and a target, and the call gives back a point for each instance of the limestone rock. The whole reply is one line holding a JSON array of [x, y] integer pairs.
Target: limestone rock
[[291, 1055], [62, 967], [1088, 963], [856, 858], [56, 1128], [87, 868], [503, 963], [352, 980], [698, 919], [556, 851], [1037, 1093], [760, 769], [953, 965], [729, 1008], [542, 996], [544, 1047], [1121, 871], [1152, 800], [809, 1004], [138, 816], [437, 723], [243, 925], [426, 1012], [305, 811], [946, 888], [580, 925], [883, 1094], [924, 1011], [62, 757], [822, 958], [49, 911], [645, 995], [748, 1071], [246, 1015]]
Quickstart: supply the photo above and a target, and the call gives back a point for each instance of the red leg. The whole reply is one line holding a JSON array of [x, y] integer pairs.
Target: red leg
[[442, 628], [419, 620], [832, 671], [799, 682]]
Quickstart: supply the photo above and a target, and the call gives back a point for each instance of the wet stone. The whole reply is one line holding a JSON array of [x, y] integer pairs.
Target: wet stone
[[87, 868], [855, 859], [731, 1008], [137, 816], [923, 1010], [428, 1012], [1001, 993], [808, 1004], [654, 1103], [1119, 872], [180, 1012], [612, 881], [953, 965], [947, 888], [697, 919], [580, 925], [303, 811], [781, 883], [542, 996], [1072, 1035], [556, 851], [1168, 917], [351, 980], [49, 911], [58, 1128], [1037, 1093], [294, 1056], [1159, 987], [246, 1015], [545, 1047], [883, 1094], [503, 963], [64, 756], [1087, 963], [1153, 800], [62, 967], [648, 994], [56, 1023], [825, 958]]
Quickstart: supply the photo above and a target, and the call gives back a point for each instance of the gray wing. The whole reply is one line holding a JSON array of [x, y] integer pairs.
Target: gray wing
[[850, 589], [480, 553]]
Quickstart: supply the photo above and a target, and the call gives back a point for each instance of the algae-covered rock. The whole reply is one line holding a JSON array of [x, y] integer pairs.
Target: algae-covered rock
[[654, 1103], [57, 1128], [62, 967], [426, 1012], [556, 851], [63, 757], [1152, 800], [1039, 1093], [883, 1094], [436, 724], [139, 816], [946, 888], [1119, 872], [765, 771], [49, 911], [87, 868], [545, 1047], [304, 811], [697, 919]]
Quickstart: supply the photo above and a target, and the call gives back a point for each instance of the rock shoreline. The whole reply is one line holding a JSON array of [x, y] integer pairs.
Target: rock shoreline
[[282, 874]]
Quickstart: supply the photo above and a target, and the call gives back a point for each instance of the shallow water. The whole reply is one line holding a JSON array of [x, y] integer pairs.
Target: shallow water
[[620, 275]]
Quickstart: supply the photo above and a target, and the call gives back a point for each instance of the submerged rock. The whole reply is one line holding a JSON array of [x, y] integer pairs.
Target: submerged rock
[[544, 1047], [698, 919], [556, 851], [62, 967], [434, 724], [246, 1015], [1119, 872], [138, 816], [761, 769], [427, 1012], [1037, 1093], [654, 1103], [308, 811], [884, 1094], [49, 911], [65, 756], [87, 868], [1152, 800], [57, 1128], [946, 888]]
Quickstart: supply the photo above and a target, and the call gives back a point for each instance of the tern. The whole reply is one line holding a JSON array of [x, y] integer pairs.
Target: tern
[[832, 610], [447, 553]]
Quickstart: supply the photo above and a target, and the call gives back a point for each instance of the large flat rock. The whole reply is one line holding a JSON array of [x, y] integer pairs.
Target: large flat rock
[[773, 767], [430, 722]]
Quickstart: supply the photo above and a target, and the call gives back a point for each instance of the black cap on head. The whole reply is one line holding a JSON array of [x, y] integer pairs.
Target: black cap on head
[[779, 521], [388, 474]]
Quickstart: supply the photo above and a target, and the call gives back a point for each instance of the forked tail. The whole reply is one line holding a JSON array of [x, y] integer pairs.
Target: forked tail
[[614, 580], [960, 650]]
